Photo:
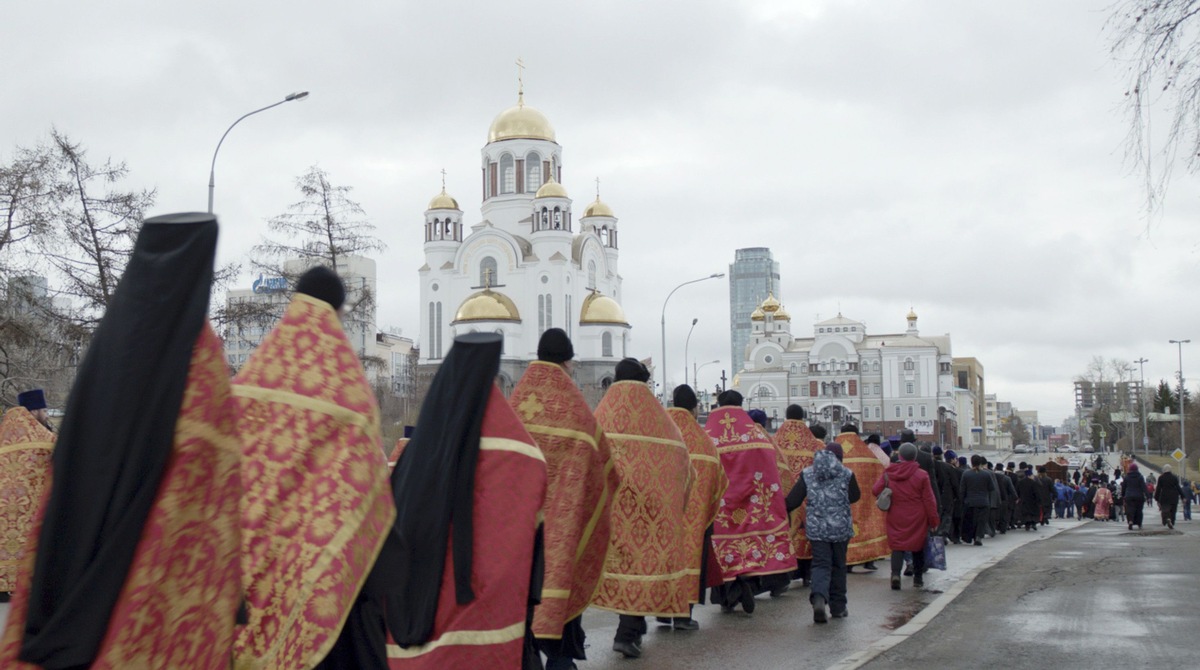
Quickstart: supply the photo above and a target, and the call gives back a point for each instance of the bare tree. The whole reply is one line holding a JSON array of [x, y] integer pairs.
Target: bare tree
[[66, 234], [1157, 42], [325, 227], [94, 227]]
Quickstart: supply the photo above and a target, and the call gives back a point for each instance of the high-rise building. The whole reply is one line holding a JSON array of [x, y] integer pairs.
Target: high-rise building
[[753, 276]]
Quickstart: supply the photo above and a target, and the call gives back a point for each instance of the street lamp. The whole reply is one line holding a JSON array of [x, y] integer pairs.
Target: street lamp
[[1142, 391], [715, 275], [1182, 443], [212, 168], [687, 342]]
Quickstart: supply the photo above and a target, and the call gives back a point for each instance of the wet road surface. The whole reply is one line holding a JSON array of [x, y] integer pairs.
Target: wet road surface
[[1099, 596]]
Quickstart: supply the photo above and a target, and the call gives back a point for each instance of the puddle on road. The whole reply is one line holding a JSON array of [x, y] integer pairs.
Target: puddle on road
[[1152, 532], [901, 615]]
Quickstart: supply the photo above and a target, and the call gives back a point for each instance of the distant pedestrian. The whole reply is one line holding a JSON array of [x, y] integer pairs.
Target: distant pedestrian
[[976, 489], [1167, 494], [1133, 490], [1103, 500], [912, 515], [830, 488]]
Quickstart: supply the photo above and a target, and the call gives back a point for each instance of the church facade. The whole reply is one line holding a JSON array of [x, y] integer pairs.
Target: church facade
[[526, 265], [842, 374]]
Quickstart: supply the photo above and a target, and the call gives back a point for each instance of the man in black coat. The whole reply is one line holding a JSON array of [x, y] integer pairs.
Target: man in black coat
[[1166, 494], [1047, 498], [948, 478]]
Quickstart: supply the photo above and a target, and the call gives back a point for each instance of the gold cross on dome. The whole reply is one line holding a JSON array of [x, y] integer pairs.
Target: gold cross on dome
[[531, 407], [597, 188], [443, 180], [520, 80]]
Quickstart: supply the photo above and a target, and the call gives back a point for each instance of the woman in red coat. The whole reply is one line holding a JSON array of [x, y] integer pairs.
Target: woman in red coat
[[913, 513]]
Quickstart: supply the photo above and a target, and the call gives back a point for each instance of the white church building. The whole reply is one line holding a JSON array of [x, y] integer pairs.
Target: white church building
[[842, 374], [527, 265]]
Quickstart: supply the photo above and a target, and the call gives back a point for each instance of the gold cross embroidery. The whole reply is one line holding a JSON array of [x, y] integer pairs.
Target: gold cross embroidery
[[531, 407], [728, 422]]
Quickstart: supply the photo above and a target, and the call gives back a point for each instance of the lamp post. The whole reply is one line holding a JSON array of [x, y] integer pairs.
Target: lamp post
[[697, 368], [213, 167], [686, 343], [1142, 392], [715, 275], [1182, 442]]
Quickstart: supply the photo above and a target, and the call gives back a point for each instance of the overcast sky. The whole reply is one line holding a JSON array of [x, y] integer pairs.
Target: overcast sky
[[961, 158]]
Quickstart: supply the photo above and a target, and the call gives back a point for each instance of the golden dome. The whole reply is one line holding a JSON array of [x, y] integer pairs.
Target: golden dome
[[443, 201], [520, 122], [599, 308], [758, 314], [487, 305], [770, 304], [598, 208], [912, 315], [782, 315], [552, 189]]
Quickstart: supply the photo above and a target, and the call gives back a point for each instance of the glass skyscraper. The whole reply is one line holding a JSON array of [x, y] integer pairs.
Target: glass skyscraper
[[752, 276]]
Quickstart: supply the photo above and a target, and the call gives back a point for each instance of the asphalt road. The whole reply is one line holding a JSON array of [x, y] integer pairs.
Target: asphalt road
[[1098, 596]]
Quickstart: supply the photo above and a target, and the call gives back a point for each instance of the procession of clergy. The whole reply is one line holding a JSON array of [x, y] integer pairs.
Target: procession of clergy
[[181, 519]]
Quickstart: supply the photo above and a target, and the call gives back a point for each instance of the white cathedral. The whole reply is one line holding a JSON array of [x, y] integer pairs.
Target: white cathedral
[[528, 265]]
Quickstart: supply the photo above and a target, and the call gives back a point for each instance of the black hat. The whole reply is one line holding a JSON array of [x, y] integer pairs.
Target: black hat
[[685, 397], [873, 438], [730, 398], [907, 435], [819, 432], [630, 369], [794, 413], [555, 346], [31, 400], [849, 428], [937, 450], [323, 284]]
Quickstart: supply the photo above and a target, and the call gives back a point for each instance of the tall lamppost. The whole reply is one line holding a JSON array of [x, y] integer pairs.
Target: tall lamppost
[[696, 375], [715, 275], [1142, 392], [212, 170], [686, 343], [1182, 443]]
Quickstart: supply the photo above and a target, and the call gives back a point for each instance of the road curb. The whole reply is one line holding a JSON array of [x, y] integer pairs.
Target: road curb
[[926, 615]]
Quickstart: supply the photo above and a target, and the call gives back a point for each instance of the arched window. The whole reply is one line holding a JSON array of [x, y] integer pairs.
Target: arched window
[[764, 392], [605, 383], [606, 345], [604, 235], [545, 224], [541, 314], [488, 275], [922, 411], [549, 311], [591, 274], [557, 219], [909, 366], [533, 172], [877, 412], [910, 411], [875, 366], [508, 175], [897, 411]]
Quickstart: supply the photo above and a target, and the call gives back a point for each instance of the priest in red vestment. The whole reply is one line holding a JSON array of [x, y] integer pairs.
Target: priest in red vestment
[[316, 504], [750, 534], [462, 567], [25, 448], [704, 499], [580, 486], [867, 462], [136, 558], [646, 570]]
